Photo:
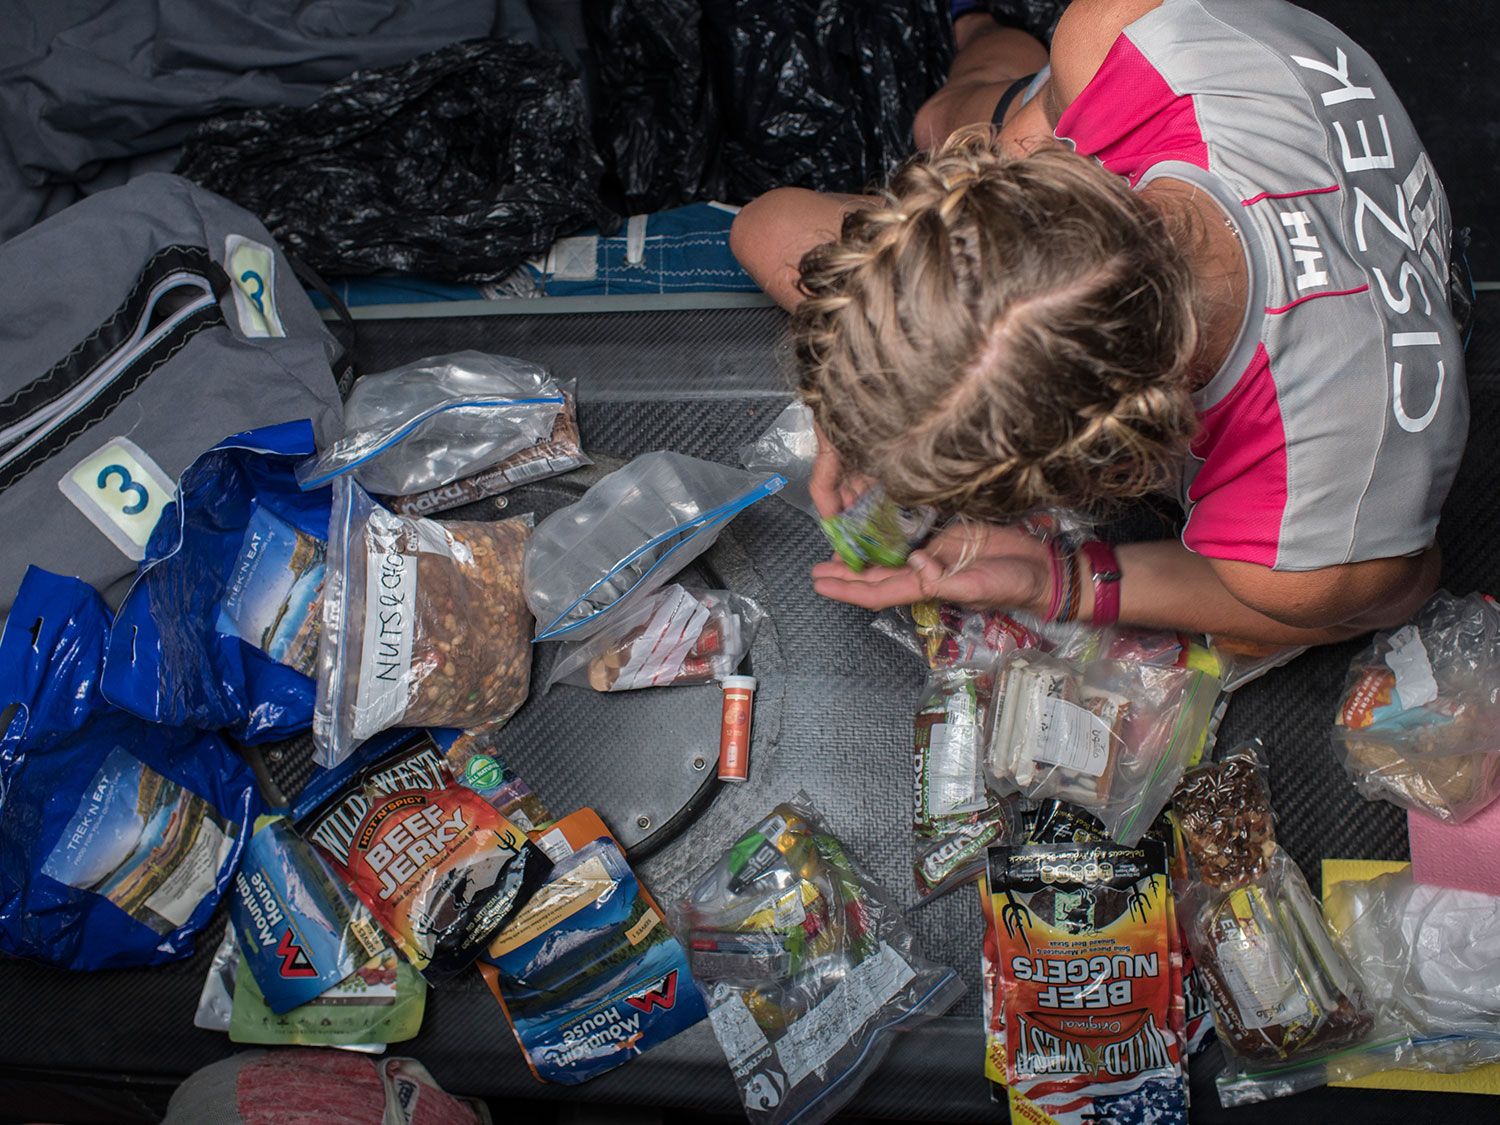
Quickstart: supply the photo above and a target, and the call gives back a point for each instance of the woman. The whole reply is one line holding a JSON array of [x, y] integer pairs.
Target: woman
[[1204, 252]]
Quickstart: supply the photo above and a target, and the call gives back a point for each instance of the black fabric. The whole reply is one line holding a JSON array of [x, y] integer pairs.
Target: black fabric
[[456, 166], [1012, 92]]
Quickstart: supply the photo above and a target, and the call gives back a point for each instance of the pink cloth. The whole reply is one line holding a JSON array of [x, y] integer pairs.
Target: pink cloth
[[1465, 856]]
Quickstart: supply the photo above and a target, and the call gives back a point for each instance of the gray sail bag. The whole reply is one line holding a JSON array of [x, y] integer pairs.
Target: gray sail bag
[[138, 328]]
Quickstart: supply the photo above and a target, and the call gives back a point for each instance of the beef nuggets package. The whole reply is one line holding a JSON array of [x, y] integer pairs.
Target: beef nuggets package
[[117, 836], [440, 869]]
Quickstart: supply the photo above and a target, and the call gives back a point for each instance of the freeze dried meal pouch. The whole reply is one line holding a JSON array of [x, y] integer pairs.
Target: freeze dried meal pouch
[[628, 535], [807, 966], [220, 627], [424, 624], [560, 453], [380, 1002], [437, 866], [587, 973], [117, 836], [300, 930], [876, 531], [1086, 981]]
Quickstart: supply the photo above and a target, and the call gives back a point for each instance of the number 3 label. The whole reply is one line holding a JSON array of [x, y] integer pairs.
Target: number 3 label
[[122, 492]]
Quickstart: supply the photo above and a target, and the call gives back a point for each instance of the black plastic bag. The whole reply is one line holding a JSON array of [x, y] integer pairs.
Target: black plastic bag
[[655, 119], [457, 166], [821, 93]]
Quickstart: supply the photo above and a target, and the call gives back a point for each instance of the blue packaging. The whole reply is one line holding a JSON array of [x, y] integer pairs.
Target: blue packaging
[[117, 836], [299, 930], [220, 628], [588, 973]]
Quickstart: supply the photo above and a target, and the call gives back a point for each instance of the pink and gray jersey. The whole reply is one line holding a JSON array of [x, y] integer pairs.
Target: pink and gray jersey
[[1332, 433]]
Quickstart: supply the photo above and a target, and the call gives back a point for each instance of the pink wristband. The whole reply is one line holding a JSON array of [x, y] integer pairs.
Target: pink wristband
[[1059, 590], [1106, 570]]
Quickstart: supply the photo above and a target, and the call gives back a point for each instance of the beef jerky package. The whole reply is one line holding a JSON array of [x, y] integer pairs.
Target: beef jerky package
[[807, 966], [300, 930], [1087, 983], [423, 624], [438, 867], [559, 453], [118, 837], [587, 973], [1287, 1005]]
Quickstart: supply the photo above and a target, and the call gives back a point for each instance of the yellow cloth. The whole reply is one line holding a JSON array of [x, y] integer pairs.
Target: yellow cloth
[[1483, 1080]]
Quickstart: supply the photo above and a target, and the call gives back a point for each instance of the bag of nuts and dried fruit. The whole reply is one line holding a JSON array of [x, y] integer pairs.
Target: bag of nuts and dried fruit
[[424, 624]]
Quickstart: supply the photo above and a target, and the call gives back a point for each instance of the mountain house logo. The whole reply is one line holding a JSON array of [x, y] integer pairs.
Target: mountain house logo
[[294, 959], [662, 994]]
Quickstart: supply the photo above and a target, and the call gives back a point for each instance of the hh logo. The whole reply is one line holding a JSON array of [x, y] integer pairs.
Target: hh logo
[[663, 994], [1305, 249], [294, 959]]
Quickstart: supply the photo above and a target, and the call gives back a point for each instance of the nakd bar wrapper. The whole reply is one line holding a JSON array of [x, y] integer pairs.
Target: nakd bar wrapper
[[438, 866], [1086, 984]]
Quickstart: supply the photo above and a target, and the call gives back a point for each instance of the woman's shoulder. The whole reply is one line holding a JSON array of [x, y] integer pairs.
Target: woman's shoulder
[[1083, 39]]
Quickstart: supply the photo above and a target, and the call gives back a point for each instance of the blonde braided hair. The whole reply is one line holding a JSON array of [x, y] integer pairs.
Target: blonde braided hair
[[1001, 334]]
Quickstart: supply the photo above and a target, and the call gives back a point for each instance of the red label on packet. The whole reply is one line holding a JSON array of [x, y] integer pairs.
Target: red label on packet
[[1370, 692], [438, 866]]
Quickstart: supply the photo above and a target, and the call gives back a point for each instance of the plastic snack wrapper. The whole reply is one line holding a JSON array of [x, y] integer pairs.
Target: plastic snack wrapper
[[675, 636], [1288, 1008], [561, 452], [438, 867], [948, 750], [1419, 725], [427, 423], [423, 624], [876, 531], [476, 765], [808, 968], [629, 534], [953, 636], [587, 973], [788, 448], [956, 855], [118, 837], [1241, 662], [1430, 956], [1110, 736], [220, 627], [1089, 985], [301, 931]]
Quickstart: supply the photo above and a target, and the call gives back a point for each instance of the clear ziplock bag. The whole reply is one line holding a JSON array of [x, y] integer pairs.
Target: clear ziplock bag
[[1432, 956], [955, 636], [1419, 725], [673, 637], [423, 624], [628, 535], [1110, 736], [807, 966], [433, 421], [789, 447]]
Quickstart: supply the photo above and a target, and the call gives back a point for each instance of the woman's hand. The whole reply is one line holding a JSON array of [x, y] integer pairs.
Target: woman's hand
[[832, 489], [979, 565]]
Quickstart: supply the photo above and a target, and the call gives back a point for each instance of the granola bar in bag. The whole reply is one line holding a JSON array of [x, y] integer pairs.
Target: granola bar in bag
[[424, 624]]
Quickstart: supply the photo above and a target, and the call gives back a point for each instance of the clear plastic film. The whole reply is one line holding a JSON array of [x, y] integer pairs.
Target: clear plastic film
[[954, 636], [1419, 725], [674, 637], [1289, 1009], [628, 535], [423, 624], [876, 531], [788, 448], [1430, 957], [1241, 662], [427, 423], [808, 968], [1110, 736]]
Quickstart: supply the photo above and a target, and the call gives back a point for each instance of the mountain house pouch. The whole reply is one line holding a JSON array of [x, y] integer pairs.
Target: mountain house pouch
[[437, 866], [117, 836], [220, 628]]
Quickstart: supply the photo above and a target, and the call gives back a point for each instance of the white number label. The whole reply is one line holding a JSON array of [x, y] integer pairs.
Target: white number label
[[122, 492], [252, 265]]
